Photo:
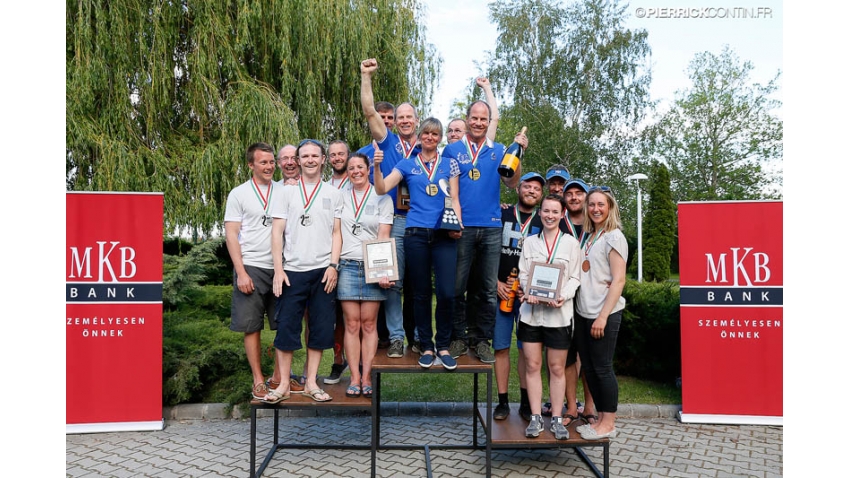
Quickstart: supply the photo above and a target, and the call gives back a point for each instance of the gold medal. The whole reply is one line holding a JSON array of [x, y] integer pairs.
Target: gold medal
[[585, 266], [432, 189], [474, 174]]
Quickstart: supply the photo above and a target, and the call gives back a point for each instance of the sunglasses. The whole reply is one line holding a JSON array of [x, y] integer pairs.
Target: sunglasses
[[604, 189], [314, 141]]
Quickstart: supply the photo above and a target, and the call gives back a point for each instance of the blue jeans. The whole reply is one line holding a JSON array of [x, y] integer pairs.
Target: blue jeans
[[478, 253], [426, 249], [392, 306], [597, 360]]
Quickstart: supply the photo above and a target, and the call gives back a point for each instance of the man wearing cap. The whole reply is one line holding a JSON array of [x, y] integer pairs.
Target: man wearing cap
[[479, 243], [556, 177], [518, 222]]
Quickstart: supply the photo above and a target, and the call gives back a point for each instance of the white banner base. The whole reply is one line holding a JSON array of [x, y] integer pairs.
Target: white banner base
[[729, 419], [114, 427]]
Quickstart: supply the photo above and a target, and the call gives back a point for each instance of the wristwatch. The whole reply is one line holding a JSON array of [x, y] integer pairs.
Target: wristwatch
[[335, 266]]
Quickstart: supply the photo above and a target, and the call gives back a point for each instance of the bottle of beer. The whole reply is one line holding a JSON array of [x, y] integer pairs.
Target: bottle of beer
[[507, 305], [511, 159]]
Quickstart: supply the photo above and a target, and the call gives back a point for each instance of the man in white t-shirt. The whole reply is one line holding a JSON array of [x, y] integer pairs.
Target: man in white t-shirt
[[248, 233], [306, 245]]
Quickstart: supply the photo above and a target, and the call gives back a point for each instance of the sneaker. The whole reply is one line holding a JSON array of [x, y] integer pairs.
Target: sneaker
[[336, 372], [482, 350], [558, 429], [525, 413], [502, 411], [535, 426], [426, 360], [416, 347], [449, 363], [458, 348], [396, 349]]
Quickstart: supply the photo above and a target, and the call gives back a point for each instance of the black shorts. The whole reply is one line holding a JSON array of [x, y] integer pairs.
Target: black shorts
[[557, 338]]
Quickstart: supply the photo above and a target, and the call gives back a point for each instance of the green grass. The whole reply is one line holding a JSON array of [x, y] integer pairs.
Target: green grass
[[448, 387]]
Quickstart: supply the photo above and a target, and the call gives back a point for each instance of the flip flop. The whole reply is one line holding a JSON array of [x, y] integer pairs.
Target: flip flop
[[275, 397], [367, 391], [353, 391], [316, 395]]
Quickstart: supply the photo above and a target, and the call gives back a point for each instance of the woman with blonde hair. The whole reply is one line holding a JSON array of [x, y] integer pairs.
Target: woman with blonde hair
[[600, 304]]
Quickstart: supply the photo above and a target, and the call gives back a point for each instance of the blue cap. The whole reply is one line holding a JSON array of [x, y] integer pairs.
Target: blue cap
[[577, 182], [558, 171], [532, 176]]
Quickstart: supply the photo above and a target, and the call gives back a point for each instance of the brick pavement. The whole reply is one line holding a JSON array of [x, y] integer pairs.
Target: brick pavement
[[643, 447]]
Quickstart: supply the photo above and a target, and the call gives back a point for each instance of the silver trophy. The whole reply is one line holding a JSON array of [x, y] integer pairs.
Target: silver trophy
[[449, 220]]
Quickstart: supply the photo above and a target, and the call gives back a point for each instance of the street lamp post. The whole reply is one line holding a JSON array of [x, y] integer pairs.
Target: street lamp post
[[637, 177]]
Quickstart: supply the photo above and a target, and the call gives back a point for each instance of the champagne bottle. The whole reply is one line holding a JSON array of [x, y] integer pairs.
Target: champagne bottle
[[507, 305], [511, 159]]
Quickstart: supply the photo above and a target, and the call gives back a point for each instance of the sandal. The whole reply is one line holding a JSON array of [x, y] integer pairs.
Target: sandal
[[274, 397], [260, 391], [367, 391], [571, 419], [353, 391], [318, 395], [588, 417]]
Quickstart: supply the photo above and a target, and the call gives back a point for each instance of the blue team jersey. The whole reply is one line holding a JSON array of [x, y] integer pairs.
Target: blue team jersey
[[425, 210], [479, 199], [394, 152]]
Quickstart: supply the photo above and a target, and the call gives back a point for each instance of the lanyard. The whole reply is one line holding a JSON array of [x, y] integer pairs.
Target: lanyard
[[308, 200], [358, 209], [265, 201]]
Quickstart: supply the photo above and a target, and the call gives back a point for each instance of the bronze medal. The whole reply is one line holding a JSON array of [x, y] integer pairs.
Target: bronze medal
[[432, 189], [474, 174], [585, 266]]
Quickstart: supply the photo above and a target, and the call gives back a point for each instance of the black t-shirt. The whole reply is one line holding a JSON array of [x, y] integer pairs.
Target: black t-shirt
[[511, 233], [566, 229]]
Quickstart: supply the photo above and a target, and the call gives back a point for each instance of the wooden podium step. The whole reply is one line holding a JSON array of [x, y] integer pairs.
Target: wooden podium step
[[510, 433]]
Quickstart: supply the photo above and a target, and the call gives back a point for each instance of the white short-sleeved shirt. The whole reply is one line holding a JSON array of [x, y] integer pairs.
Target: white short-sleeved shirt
[[246, 205], [307, 247], [376, 210], [534, 250], [594, 283]]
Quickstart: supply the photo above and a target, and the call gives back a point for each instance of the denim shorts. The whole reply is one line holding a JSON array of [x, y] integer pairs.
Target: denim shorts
[[352, 283]]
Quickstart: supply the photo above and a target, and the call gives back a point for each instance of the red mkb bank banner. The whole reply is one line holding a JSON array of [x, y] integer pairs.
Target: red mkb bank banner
[[113, 304], [730, 265]]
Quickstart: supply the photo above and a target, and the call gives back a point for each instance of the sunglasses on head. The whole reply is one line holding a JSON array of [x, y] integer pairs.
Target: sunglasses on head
[[604, 189]]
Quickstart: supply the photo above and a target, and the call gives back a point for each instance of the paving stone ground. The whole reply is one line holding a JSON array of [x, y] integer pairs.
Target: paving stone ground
[[643, 448]]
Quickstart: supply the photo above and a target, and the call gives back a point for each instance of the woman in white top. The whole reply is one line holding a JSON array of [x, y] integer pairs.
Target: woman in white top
[[366, 215], [544, 323], [600, 306]]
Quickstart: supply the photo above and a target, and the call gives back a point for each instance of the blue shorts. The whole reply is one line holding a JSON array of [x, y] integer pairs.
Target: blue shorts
[[290, 309], [504, 330], [352, 283]]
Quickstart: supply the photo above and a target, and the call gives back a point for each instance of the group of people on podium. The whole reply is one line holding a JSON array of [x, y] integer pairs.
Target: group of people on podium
[[297, 251]]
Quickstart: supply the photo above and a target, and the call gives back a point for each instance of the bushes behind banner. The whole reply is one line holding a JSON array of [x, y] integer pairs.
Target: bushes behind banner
[[649, 343]]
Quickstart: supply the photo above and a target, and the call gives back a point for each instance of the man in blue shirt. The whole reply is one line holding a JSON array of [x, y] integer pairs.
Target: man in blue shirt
[[479, 246]]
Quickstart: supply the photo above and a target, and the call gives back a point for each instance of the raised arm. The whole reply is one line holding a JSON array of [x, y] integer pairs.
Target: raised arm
[[513, 181], [367, 100], [484, 83]]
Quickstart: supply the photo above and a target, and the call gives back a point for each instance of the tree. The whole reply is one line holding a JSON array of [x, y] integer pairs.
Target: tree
[[166, 96], [720, 139], [660, 226], [579, 80]]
